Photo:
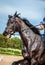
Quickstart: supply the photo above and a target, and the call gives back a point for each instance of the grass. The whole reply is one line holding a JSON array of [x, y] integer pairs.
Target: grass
[[10, 51]]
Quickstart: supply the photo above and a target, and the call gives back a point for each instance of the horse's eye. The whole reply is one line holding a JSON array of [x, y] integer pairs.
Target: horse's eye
[[11, 22]]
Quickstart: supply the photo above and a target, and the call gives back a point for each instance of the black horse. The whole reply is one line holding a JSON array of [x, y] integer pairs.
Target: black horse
[[32, 46]]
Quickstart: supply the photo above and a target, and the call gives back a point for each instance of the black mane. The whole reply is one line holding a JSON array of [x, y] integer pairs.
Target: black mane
[[32, 27]]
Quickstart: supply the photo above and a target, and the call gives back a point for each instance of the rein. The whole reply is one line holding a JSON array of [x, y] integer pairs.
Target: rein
[[38, 24], [35, 25]]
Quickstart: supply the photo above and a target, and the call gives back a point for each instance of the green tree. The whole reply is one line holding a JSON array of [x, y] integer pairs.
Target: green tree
[[3, 40], [17, 42], [10, 42]]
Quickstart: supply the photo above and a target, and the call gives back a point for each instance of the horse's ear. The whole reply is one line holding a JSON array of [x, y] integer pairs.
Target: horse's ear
[[15, 13], [19, 14], [9, 16]]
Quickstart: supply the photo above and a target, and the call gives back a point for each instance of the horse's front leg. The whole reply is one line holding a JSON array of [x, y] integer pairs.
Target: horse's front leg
[[25, 52], [21, 62], [34, 62]]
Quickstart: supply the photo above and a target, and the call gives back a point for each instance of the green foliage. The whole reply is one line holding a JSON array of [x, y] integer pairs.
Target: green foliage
[[17, 43], [11, 42], [3, 41], [10, 51]]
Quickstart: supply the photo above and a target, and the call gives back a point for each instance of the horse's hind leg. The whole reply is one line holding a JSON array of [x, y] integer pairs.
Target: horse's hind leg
[[34, 62]]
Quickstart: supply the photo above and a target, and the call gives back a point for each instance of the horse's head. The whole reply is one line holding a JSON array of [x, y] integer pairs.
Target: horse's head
[[13, 25]]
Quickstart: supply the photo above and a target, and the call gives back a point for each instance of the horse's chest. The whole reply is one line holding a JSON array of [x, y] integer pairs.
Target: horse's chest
[[32, 41], [30, 36]]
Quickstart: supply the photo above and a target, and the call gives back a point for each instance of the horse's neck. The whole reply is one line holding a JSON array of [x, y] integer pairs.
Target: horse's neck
[[26, 30], [24, 27], [26, 33]]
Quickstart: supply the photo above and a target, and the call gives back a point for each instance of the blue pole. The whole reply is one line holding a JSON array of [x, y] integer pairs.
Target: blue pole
[[44, 29], [44, 24]]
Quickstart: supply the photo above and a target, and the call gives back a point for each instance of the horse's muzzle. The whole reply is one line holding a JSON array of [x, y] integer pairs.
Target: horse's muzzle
[[6, 34]]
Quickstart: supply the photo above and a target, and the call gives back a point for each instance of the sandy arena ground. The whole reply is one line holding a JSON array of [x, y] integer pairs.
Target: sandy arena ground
[[8, 60]]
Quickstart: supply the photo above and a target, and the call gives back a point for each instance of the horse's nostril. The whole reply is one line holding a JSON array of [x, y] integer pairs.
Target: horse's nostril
[[5, 33]]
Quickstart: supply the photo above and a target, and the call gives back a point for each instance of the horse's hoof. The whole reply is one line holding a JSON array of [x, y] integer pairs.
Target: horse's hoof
[[14, 63]]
